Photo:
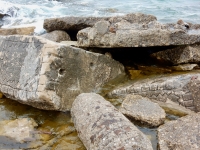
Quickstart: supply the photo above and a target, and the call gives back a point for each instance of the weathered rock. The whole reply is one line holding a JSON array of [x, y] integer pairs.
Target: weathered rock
[[171, 107], [181, 134], [57, 36], [180, 54], [17, 30], [124, 33], [184, 67], [172, 87], [19, 130], [142, 109], [79, 23], [49, 75], [101, 126]]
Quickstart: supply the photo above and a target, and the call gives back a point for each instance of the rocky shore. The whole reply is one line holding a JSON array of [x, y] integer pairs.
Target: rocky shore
[[145, 67]]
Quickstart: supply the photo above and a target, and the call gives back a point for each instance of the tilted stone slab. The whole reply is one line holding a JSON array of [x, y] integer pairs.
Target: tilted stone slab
[[142, 34], [172, 87], [180, 55], [79, 23], [142, 109], [49, 75], [101, 126], [181, 134]]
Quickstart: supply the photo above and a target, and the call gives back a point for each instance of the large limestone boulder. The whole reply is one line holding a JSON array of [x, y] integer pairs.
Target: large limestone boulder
[[79, 23], [101, 126], [181, 134], [140, 33], [49, 75], [142, 109], [57, 36], [162, 88], [180, 54], [17, 30]]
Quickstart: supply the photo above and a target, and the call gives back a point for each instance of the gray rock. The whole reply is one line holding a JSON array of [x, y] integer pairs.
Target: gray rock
[[142, 109], [180, 54], [101, 126], [184, 67], [49, 75], [125, 33], [171, 87], [78, 23], [181, 134], [19, 130], [57, 36]]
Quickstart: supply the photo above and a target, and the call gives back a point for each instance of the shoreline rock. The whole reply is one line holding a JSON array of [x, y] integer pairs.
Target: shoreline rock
[[142, 109], [101, 126], [49, 75]]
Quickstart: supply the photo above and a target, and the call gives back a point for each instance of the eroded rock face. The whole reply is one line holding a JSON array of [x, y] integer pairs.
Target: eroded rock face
[[18, 31], [182, 134], [57, 36], [101, 126], [79, 23], [142, 109], [140, 33], [49, 75], [175, 88], [180, 55]]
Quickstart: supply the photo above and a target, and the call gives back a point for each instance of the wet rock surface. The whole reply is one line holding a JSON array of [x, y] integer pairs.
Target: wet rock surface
[[182, 134], [57, 36], [49, 75], [101, 126], [20, 129], [142, 109], [17, 31], [174, 87], [180, 54], [184, 67], [139, 33]]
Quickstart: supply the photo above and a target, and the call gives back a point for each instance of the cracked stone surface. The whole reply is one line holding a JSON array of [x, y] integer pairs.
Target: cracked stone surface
[[143, 32], [101, 126], [49, 75], [180, 54], [181, 89], [142, 109], [181, 134]]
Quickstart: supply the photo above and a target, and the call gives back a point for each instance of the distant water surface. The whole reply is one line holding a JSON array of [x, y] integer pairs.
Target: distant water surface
[[33, 11]]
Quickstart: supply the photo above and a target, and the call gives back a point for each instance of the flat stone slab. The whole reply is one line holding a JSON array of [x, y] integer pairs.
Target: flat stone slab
[[124, 33], [184, 67], [49, 75], [101, 126], [181, 134], [79, 23], [172, 87], [180, 54], [17, 30], [142, 109]]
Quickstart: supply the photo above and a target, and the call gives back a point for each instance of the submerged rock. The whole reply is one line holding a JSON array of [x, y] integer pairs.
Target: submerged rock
[[101, 126], [184, 67], [57, 36], [19, 130], [17, 30], [172, 87], [142, 109], [180, 54], [181, 134], [49, 75]]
